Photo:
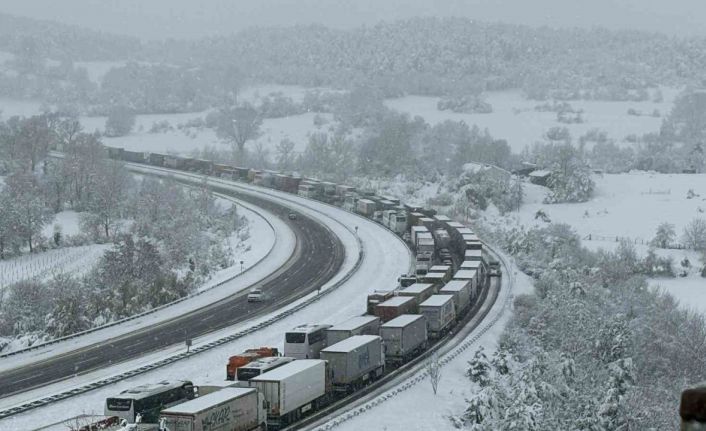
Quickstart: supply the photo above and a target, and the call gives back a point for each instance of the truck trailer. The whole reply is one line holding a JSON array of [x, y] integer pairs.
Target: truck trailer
[[355, 361], [228, 409], [395, 306], [462, 292], [404, 337], [419, 291], [293, 390], [358, 325], [440, 314]]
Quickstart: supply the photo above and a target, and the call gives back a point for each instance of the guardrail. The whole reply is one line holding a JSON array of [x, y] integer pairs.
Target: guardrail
[[421, 374], [154, 310], [195, 351]]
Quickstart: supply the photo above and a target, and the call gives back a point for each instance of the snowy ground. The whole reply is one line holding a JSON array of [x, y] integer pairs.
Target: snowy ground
[[385, 257], [514, 118], [626, 205], [632, 206], [270, 244]]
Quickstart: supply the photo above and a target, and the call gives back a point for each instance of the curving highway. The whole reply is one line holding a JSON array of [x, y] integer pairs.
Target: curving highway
[[318, 257]]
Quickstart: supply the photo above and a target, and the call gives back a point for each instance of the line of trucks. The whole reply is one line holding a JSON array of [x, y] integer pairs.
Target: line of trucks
[[320, 363]]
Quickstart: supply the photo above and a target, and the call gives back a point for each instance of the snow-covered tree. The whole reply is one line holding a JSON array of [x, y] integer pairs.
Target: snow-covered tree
[[111, 186], [28, 205], [664, 236], [120, 121], [285, 154], [570, 176]]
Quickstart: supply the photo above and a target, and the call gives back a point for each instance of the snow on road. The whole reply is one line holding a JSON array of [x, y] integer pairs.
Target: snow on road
[[271, 244], [385, 257]]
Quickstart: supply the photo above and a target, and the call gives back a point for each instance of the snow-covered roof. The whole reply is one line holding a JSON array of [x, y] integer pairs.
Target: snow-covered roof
[[417, 288], [473, 253], [396, 301], [426, 235], [455, 224], [202, 403], [454, 286], [439, 268], [442, 217], [470, 264], [351, 343], [465, 274], [353, 323], [426, 219], [288, 370], [436, 301], [420, 229], [267, 362], [540, 173], [465, 231], [142, 391], [434, 275], [306, 328], [402, 321]]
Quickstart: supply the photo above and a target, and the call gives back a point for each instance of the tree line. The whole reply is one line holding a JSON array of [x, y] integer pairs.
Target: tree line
[[592, 348]]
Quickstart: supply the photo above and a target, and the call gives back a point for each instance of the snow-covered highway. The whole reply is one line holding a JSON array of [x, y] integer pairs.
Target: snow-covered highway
[[382, 258]]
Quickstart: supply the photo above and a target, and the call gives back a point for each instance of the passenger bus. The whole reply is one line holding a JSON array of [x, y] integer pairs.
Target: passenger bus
[[149, 400], [305, 341]]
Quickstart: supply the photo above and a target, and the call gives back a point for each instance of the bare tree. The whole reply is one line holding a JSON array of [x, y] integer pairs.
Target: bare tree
[[285, 150], [695, 234], [434, 370], [239, 124]]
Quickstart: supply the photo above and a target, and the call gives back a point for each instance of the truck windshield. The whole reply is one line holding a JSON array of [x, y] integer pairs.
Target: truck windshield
[[295, 337]]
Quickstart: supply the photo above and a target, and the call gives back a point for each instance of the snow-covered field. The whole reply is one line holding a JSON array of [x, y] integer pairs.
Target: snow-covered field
[[384, 259], [514, 118], [74, 260], [626, 205], [632, 206]]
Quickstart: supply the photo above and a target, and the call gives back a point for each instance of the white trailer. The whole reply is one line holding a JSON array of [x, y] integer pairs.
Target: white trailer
[[419, 291], [425, 243], [366, 207], [462, 292], [476, 255], [403, 337], [399, 225], [293, 390], [355, 361], [415, 231], [358, 325], [228, 409], [440, 314]]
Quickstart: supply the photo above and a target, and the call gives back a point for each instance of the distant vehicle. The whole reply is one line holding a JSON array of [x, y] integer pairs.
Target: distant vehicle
[[292, 216], [149, 400], [255, 295]]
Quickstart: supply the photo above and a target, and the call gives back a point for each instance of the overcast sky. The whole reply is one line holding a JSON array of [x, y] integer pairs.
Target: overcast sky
[[159, 19]]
